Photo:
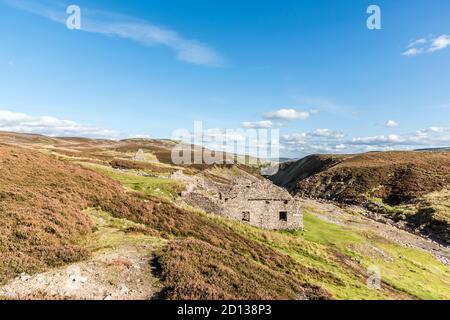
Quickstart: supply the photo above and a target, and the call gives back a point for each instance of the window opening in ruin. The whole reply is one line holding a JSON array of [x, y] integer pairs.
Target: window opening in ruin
[[246, 216], [283, 216]]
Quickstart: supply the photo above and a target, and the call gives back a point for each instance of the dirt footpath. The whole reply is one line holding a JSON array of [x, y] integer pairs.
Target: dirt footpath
[[120, 269]]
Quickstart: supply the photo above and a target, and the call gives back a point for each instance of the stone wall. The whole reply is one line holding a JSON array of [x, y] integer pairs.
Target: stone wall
[[204, 202], [258, 199], [265, 213]]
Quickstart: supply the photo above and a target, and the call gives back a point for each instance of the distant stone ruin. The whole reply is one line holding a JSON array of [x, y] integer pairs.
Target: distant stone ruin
[[253, 201], [139, 156]]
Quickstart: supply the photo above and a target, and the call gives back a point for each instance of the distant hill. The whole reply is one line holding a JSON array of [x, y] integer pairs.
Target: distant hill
[[400, 184], [107, 150], [434, 149]]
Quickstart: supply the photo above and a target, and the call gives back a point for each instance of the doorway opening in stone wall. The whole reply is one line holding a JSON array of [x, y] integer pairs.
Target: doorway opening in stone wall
[[283, 216], [246, 216]]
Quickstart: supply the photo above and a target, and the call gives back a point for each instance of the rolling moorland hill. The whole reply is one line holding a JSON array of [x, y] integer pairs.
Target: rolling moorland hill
[[410, 187], [81, 218], [42, 203]]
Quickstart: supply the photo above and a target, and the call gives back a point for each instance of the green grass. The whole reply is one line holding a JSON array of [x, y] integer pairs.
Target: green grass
[[111, 233], [429, 213], [396, 213], [319, 231], [413, 271], [312, 248], [405, 272], [337, 257], [161, 187]]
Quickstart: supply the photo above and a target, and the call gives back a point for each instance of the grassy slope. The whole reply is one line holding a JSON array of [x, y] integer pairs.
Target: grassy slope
[[156, 186], [60, 191], [341, 256], [407, 272], [207, 260], [410, 270], [429, 214]]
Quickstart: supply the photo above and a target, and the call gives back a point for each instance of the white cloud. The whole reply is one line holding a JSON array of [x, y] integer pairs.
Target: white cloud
[[19, 122], [431, 130], [295, 138], [258, 124], [232, 140], [139, 136], [287, 114], [412, 52], [302, 144], [110, 24], [391, 124], [327, 133], [425, 138], [438, 129], [440, 43], [383, 139], [427, 45], [417, 42]]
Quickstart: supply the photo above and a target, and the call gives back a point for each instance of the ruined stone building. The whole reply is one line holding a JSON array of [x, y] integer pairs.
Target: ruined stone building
[[253, 201], [139, 156], [261, 204]]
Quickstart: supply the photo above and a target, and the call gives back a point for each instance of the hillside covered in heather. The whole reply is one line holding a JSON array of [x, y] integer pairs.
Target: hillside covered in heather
[[411, 187], [83, 219]]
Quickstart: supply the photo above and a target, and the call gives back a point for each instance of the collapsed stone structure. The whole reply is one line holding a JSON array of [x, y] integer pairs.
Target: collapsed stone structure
[[250, 200], [261, 204], [139, 156]]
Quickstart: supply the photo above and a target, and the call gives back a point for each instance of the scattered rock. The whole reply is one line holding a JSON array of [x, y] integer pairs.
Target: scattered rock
[[123, 289], [24, 277]]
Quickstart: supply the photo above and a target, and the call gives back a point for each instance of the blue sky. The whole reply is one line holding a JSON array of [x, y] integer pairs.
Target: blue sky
[[312, 69]]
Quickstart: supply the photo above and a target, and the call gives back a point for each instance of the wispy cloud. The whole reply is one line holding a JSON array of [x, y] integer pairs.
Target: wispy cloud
[[330, 141], [424, 138], [440, 43], [287, 114], [391, 124], [281, 116], [324, 140], [264, 124], [427, 45], [412, 52], [417, 42], [316, 105], [327, 133], [50, 126], [142, 32]]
